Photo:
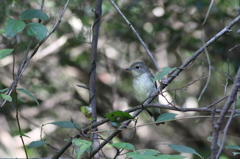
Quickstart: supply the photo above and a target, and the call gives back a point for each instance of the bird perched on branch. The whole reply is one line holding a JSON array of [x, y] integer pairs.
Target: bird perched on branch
[[144, 86]]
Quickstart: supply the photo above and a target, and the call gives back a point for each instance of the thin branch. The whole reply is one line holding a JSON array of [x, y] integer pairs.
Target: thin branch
[[185, 87], [209, 8], [223, 73], [19, 126], [226, 129], [85, 87], [54, 148], [135, 32], [217, 102], [92, 82], [209, 70], [234, 47], [231, 99]]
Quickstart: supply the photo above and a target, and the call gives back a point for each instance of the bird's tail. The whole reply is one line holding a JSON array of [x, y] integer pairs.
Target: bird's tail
[[155, 116], [155, 113]]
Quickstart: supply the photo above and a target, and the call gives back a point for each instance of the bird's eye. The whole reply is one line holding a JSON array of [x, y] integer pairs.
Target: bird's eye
[[137, 67]]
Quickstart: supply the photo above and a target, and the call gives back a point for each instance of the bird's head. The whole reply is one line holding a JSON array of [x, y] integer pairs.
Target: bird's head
[[138, 68]]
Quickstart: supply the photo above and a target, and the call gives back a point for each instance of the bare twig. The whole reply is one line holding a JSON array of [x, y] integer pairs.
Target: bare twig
[[54, 148], [223, 73], [83, 86], [226, 129], [136, 33], [217, 125], [92, 82], [19, 126], [184, 87], [209, 8], [209, 69], [213, 149], [217, 102], [234, 47]]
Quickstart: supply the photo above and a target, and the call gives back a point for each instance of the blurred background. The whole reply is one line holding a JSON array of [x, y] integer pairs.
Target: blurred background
[[172, 30]]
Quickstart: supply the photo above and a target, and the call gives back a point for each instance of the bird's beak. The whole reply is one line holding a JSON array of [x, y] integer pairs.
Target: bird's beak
[[128, 69]]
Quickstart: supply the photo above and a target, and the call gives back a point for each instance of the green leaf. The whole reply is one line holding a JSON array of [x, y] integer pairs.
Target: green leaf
[[210, 138], [166, 116], [65, 124], [34, 13], [35, 144], [3, 90], [115, 124], [22, 134], [184, 149], [124, 145], [134, 155], [81, 146], [6, 97], [28, 94], [236, 115], [13, 27], [38, 30], [164, 72], [236, 147], [118, 116], [148, 152], [151, 154], [5, 52], [1, 31], [236, 153]]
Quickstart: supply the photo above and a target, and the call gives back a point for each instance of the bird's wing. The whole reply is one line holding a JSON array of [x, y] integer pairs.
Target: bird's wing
[[151, 77]]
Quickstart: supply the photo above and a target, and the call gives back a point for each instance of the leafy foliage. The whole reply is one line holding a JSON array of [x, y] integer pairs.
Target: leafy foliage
[[13, 27], [36, 144], [123, 145], [37, 30], [33, 13], [166, 116], [184, 149], [5, 52], [118, 116], [28, 94]]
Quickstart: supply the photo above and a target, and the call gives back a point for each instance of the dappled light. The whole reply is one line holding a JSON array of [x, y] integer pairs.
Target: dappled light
[[71, 70]]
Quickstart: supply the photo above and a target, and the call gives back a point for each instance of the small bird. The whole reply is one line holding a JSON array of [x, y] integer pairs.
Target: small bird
[[143, 86]]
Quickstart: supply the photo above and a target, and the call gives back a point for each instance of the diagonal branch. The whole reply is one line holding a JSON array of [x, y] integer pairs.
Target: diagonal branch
[[139, 109], [165, 83], [138, 36]]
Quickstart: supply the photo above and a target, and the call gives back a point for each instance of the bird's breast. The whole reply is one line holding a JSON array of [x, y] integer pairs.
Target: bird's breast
[[143, 87]]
